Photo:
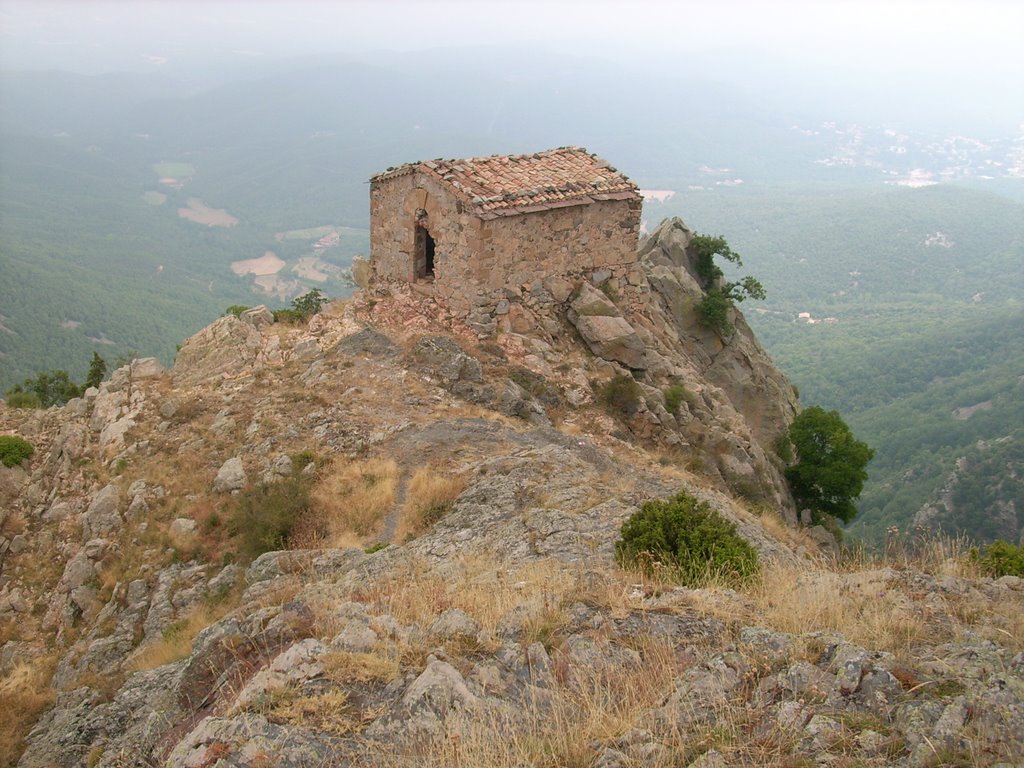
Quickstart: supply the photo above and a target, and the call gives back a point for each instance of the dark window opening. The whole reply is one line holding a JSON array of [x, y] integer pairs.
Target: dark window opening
[[424, 264]]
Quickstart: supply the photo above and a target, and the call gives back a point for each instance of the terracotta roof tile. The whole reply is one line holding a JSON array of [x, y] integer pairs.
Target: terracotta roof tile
[[503, 185]]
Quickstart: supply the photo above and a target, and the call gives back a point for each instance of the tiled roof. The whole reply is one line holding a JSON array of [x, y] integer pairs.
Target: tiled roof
[[505, 185]]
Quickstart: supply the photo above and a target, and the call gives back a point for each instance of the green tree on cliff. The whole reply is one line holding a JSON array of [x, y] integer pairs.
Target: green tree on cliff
[[97, 370], [720, 295], [829, 472]]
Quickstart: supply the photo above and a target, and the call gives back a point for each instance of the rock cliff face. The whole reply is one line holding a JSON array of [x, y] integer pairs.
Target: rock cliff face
[[734, 403], [450, 574], [985, 478]]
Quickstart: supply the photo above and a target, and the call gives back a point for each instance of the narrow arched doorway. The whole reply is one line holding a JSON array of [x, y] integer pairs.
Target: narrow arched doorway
[[423, 256]]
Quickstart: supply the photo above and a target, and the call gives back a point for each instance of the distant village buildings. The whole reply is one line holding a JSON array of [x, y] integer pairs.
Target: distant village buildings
[[467, 231], [805, 317]]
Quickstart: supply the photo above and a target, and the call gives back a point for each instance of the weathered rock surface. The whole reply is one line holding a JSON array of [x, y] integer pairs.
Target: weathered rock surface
[[506, 611], [103, 515], [226, 348], [613, 339], [230, 476]]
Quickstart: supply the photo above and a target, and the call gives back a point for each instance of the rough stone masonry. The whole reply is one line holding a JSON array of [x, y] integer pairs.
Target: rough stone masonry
[[468, 232]]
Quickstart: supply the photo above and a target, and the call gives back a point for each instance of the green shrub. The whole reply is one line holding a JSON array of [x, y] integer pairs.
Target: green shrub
[[303, 308], [719, 297], [50, 388], [621, 395], [676, 395], [686, 540], [706, 247], [308, 304], [263, 517], [14, 450], [1001, 558], [713, 312], [97, 370], [302, 459], [19, 399], [236, 309], [287, 316]]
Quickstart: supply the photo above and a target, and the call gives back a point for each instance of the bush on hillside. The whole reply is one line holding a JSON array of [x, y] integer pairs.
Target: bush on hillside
[[303, 308], [720, 296], [687, 540], [1001, 558], [308, 304], [50, 388], [263, 516], [713, 312], [19, 399], [621, 395], [14, 450], [675, 395]]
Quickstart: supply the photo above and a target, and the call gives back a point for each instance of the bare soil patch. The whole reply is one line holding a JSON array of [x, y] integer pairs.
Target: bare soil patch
[[198, 212], [267, 264], [314, 268]]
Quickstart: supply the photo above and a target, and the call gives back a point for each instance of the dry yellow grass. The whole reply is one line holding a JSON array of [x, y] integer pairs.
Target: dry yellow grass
[[599, 704], [873, 607], [428, 498], [417, 593], [861, 607], [25, 692], [352, 498], [177, 639], [345, 667], [329, 712]]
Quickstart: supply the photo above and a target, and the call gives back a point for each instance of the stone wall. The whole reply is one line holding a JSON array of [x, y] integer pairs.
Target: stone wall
[[476, 260], [393, 206]]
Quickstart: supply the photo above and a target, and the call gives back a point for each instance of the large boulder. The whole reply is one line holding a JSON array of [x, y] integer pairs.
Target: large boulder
[[226, 348], [603, 328], [230, 476], [442, 357], [589, 301], [103, 515], [613, 339]]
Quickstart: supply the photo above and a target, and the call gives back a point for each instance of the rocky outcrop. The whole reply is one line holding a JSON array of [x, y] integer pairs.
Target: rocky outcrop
[[499, 608], [226, 348], [603, 328]]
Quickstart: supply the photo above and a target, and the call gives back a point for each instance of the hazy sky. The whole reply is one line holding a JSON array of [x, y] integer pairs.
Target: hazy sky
[[969, 49]]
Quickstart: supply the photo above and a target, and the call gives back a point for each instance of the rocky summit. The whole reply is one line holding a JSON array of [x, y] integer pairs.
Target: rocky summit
[[386, 537]]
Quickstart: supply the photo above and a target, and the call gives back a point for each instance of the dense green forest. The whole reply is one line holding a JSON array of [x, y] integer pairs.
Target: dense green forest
[[97, 267], [916, 296]]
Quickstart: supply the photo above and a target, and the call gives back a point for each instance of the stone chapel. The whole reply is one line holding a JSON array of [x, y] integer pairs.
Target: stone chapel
[[466, 231]]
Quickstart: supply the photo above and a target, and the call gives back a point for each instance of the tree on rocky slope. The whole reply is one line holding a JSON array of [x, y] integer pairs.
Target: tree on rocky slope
[[829, 472], [720, 295], [48, 388], [97, 370]]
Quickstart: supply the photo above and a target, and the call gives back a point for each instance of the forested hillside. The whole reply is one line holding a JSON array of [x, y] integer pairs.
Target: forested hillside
[[917, 335]]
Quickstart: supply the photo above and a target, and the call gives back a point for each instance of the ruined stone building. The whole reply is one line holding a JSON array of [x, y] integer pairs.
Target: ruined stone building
[[468, 230]]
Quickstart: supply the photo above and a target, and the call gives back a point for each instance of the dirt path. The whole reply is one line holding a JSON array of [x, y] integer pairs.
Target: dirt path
[[395, 515]]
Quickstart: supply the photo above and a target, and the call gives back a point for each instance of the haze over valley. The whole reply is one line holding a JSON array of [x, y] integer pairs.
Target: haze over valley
[[151, 178]]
